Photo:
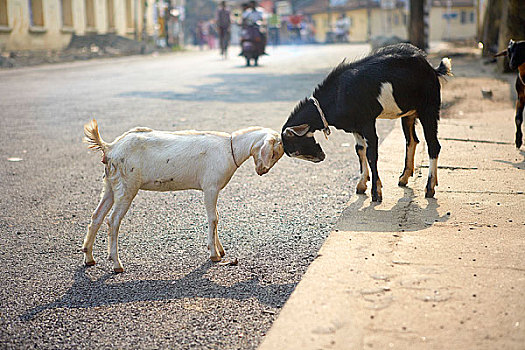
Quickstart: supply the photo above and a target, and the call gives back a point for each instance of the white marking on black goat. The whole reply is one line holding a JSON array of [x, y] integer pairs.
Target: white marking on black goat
[[390, 108]]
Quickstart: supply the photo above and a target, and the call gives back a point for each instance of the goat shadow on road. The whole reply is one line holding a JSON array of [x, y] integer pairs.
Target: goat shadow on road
[[241, 88], [405, 216], [88, 293], [519, 165]]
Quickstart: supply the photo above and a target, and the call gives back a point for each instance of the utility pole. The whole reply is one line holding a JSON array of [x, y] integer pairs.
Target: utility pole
[[478, 28], [136, 19], [368, 21]]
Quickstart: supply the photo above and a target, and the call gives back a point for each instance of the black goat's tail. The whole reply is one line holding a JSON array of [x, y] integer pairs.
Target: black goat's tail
[[445, 67]]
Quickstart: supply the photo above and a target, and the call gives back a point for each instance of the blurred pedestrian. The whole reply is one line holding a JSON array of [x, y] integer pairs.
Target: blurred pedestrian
[[211, 34], [224, 27], [200, 34], [274, 27], [294, 27], [342, 28]]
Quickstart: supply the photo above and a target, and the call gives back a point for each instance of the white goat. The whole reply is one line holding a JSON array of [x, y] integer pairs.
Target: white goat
[[144, 159]]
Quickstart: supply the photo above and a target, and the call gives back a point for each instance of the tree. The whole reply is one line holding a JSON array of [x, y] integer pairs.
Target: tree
[[416, 25], [504, 20], [491, 24]]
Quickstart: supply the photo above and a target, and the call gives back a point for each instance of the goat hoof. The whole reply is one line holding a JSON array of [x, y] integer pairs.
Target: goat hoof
[[223, 253], [402, 183], [215, 258], [430, 194], [84, 250], [378, 199], [90, 263], [518, 143], [118, 269], [360, 190]]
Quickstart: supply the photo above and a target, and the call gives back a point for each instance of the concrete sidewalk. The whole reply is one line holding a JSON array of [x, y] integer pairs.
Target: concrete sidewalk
[[416, 273]]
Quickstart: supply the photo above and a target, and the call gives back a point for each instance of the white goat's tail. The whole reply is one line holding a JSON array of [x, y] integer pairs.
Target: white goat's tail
[[93, 138]]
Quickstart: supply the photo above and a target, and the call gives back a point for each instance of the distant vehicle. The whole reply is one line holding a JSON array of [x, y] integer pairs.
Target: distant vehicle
[[252, 44]]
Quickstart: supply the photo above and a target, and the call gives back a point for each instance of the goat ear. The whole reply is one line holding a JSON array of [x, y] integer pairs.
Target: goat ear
[[299, 130], [263, 159], [267, 151]]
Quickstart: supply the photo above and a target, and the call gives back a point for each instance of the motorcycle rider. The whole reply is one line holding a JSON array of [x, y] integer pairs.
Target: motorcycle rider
[[251, 21]]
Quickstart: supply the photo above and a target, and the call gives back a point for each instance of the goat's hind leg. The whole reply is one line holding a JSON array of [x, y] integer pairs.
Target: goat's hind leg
[[219, 245], [429, 122], [105, 204], [360, 149], [411, 142], [120, 208], [520, 104], [210, 200]]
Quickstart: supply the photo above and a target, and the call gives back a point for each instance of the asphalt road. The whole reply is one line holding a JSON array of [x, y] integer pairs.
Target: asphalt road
[[170, 295]]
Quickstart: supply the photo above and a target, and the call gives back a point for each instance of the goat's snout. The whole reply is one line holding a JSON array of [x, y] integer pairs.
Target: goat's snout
[[319, 157], [261, 170]]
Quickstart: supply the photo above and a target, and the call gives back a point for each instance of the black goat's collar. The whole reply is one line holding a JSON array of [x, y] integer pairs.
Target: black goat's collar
[[326, 129], [233, 153]]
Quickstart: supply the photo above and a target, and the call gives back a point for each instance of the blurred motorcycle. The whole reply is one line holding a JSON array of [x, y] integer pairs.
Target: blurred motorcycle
[[253, 43]]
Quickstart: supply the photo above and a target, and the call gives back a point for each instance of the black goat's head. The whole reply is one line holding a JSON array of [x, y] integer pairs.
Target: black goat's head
[[298, 134], [516, 52]]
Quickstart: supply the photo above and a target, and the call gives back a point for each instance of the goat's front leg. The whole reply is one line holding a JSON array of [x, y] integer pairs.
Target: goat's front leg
[[120, 208], [372, 155], [360, 149], [210, 200], [105, 204], [411, 142], [520, 103]]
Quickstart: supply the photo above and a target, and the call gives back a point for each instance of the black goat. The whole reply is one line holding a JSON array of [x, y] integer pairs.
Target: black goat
[[516, 53], [393, 82]]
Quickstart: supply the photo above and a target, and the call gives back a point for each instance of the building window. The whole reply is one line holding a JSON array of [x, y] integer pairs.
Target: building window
[[36, 13], [463, 17], [396, 19], [67, 13], [3, 13], [472, 19], [111, 14], [129, 14], [90, 14]]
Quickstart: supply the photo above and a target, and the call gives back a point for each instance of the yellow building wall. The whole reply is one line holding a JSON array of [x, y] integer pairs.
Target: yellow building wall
[[20, 35], [384, 23], [323, 21], [358, 25], [454, 29]]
